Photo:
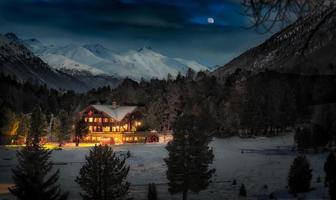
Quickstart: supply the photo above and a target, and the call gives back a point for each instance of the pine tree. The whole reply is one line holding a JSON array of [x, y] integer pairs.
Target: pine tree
[[10, 126], [103, 175], [242, 190], [33, 176], [300, 175], [23, 128], [152, 194], [37, 127], [330, 170], [189, 156], [64, 123], [234, 182], [81, 130]]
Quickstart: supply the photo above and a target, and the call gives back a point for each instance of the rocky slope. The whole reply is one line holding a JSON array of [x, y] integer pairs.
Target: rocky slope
[[17, 60], [286, 51]]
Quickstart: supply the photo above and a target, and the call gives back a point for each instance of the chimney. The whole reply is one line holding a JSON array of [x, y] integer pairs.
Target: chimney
[[114, 104]]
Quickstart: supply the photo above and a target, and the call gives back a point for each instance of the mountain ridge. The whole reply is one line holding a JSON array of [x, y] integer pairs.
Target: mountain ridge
[[286, 50]]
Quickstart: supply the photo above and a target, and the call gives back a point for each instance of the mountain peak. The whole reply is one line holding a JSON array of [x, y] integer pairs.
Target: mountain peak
[[145, 48], [11, 36], [34, 40]]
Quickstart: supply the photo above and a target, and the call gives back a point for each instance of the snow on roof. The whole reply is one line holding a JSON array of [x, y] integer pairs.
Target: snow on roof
[[117, 113]]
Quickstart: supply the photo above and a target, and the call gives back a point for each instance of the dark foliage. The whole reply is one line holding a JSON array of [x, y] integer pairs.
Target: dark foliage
[[242, 190], [81, 130], [234, 182], [189, 155], [152, 193], [237, 104], [330, 170], [300, 175], [33, 176], [103, 176], [37, 127]]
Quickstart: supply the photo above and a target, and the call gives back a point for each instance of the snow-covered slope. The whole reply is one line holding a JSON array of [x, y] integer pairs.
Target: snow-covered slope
[[97, 59], [65, 64]]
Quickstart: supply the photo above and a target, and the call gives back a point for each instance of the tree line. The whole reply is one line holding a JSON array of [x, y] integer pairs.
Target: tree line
[[241, 104]]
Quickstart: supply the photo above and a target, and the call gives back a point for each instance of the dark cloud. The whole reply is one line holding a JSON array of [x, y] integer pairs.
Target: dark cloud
[[175, 27]]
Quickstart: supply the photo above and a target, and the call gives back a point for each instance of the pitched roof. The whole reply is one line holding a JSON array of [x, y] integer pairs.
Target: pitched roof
[[117, 113]]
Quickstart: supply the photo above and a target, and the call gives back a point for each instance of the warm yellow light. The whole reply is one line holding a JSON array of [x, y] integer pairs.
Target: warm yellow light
[[90, 119]]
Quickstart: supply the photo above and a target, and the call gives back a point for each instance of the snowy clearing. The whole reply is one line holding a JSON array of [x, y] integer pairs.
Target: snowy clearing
[[254, 162]]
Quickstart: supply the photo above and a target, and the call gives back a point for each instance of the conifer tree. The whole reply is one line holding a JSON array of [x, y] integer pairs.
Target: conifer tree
[[300, 175], [23, 128], [10, 125], [103, 176], [81, 130], [330, 170], [189, 155], [64, 126], [37, 127], [33, 176], [152, 194], [242, 190]]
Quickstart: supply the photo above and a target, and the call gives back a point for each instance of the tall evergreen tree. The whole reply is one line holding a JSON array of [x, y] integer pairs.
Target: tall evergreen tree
[[103, 176], [242, 190], [37, 127], [152, 193], [189, 156], [33, 176], [330, 170], [23, 128], [300, 175], [63, 121], [81, 130], [10, 126]]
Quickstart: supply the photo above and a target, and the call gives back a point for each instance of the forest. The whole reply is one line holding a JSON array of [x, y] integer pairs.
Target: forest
[[243, 104]]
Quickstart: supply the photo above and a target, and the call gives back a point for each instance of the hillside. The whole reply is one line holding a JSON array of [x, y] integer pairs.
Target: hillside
[[283, 51], [19, 61], [16, 60]]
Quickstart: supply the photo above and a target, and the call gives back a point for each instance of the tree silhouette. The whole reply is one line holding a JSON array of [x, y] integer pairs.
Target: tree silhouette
[[33, 176], [81, 130], [152, 193], [189, 156], [103, 176], [242, 190], [37, 128], [330, 170], [300, 175]]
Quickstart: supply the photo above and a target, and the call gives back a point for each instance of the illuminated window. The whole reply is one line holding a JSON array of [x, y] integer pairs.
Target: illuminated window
[[107, 128], [90, 128], [99, 119], [106, 120], [90, 119], [135, 138], [85, 119]]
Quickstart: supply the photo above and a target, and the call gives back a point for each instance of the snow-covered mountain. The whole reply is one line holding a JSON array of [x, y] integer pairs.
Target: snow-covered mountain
[[97, 59]]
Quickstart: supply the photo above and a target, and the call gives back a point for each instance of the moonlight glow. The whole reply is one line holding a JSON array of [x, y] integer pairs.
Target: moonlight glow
[[211, 20]]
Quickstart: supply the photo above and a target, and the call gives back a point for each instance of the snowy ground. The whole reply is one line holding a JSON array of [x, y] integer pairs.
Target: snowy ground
[[254, 162]]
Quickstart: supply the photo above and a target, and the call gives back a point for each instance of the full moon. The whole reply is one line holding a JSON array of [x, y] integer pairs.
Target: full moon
[[211, 20]]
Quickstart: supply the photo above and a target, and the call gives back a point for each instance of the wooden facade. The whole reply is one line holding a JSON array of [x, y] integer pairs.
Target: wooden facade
[[113, 124]]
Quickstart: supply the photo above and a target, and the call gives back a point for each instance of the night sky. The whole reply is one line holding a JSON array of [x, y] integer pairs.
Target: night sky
[[209, 31]]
